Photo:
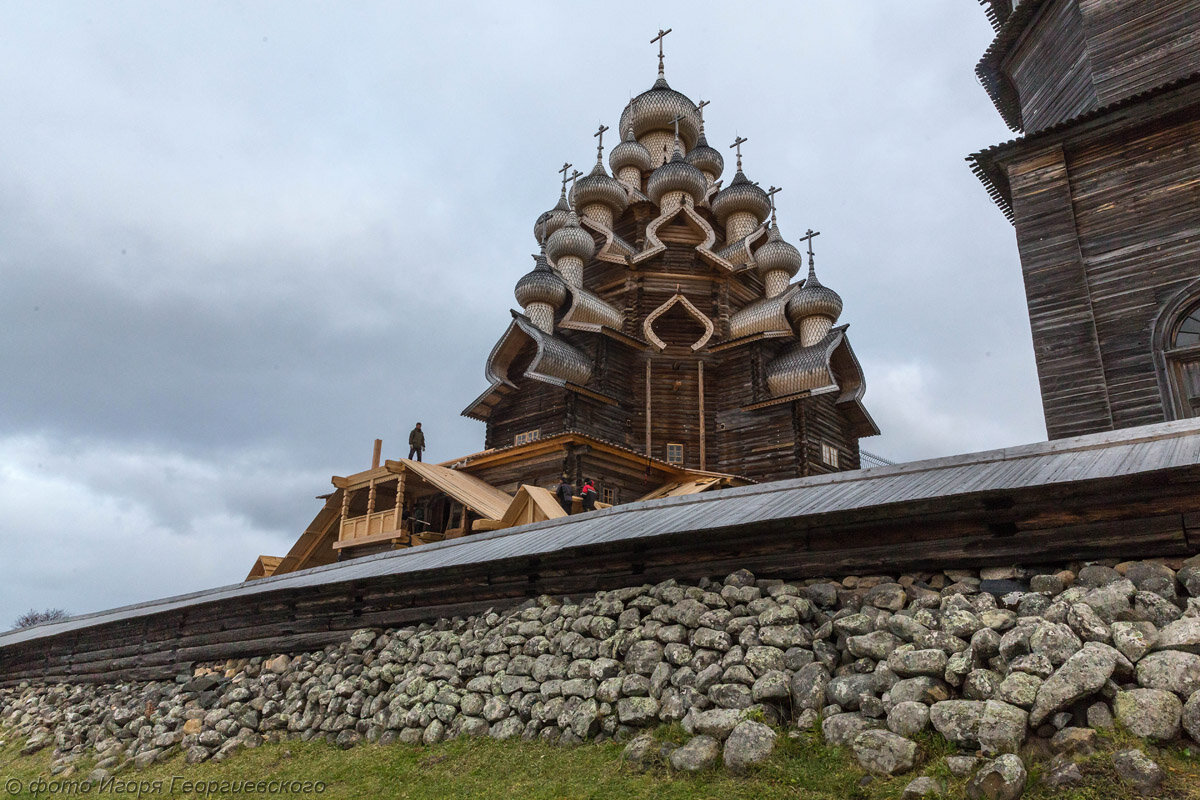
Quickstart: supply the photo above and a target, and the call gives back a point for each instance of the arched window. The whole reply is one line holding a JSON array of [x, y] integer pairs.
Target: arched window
[[1177, 340]]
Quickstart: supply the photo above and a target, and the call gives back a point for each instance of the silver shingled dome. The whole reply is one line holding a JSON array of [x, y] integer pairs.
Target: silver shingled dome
[[551, 220], [813, 300], [776, 254], [705, 158], [674, 176], [656, 108], [570, 240], [599, 187], [541, 285], [630, 153], [741, 195]]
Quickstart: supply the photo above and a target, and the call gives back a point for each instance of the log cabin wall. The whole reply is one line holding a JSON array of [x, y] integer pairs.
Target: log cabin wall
[[1064, 58], [1107, 230], [1065, 343], [1104, 193], [1136, 45], [520, 412], [1050, 67], [818, 423], [1137, 211]]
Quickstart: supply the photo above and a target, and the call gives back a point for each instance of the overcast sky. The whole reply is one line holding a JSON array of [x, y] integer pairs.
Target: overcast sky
[[239, 241]]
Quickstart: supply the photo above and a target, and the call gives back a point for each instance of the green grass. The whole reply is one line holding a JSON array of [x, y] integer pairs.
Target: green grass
[[480, 769]]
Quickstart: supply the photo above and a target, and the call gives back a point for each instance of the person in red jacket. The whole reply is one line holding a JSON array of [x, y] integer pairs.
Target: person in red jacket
[[588, 495]]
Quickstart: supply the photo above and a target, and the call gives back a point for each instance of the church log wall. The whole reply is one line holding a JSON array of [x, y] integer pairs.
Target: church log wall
[[1137, 210], [1051, 68], [1107, 227], [1070, 371]]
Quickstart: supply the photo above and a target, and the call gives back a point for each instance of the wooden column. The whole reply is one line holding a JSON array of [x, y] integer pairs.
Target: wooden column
[[345, 512], [399, 524], [647, 408], [371, 498], [700, 382]]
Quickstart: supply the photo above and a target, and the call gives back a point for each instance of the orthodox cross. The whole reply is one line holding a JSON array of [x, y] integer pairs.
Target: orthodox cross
[[808, 236], [564, 169], [659, 39], [574, 174], [600, 143], [738, 142], [675, 122], [700, 107], [771, 199]]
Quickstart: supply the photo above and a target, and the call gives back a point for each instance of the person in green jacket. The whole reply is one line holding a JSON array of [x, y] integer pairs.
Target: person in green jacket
[[416, 442]]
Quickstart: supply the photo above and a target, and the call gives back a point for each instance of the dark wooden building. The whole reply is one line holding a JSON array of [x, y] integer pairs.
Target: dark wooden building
[[661, 350], [661, 317], [1103, 188]]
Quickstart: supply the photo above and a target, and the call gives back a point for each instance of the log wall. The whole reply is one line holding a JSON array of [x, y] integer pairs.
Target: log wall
[[1107, 227], [1149, 513], [1069, 57]]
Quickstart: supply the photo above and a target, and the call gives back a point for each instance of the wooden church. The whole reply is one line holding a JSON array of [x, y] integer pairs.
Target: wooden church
[[662, 347], [1103, 188]]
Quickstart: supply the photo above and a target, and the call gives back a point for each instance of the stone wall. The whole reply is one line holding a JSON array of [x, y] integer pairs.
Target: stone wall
[[987, 659]]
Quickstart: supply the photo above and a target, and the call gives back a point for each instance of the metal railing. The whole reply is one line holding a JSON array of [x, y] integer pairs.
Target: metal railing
[[871, 460]]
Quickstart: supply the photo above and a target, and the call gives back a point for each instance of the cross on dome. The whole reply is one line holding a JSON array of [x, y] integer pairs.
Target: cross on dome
[[738, 142], [675, 122], [771, 198], [600, 143], [659, 39], [808, 236], [564, 169]]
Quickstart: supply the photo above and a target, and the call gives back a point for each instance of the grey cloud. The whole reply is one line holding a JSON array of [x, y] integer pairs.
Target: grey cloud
[[240, 241]]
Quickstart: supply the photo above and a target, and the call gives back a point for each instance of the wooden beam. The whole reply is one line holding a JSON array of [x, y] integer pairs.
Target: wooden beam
[[700, 382], [648, 455]]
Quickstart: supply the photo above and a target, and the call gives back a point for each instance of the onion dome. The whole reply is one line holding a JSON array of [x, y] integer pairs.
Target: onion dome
[[551, 220], [656, 109], [741, 195], [813, 300], [570, 240], [598, 187], [542, 285], [677, 175], [777, 254], [630, 153], [705, 158]]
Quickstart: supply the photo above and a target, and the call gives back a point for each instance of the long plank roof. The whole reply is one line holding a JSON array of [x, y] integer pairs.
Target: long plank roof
[[472, 492], [882, 493]]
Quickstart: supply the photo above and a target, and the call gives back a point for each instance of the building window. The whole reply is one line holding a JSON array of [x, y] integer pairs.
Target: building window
[[606, 496], [829, 455], [527, 437], [674, 454], [1177, 341]]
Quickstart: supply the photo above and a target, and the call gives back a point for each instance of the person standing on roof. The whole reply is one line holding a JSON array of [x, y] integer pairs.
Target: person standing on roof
[[565, 494], [588, 495], [416, 442]]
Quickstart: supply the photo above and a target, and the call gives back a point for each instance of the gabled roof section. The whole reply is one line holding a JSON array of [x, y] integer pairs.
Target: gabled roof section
[[480, 497], [314, 548], [988, 70], [767, 315], [997, 11], [532, 504], [566, 438], [590, 312], [264, 567], [827, 366], [554, 361], [1146, 106]]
